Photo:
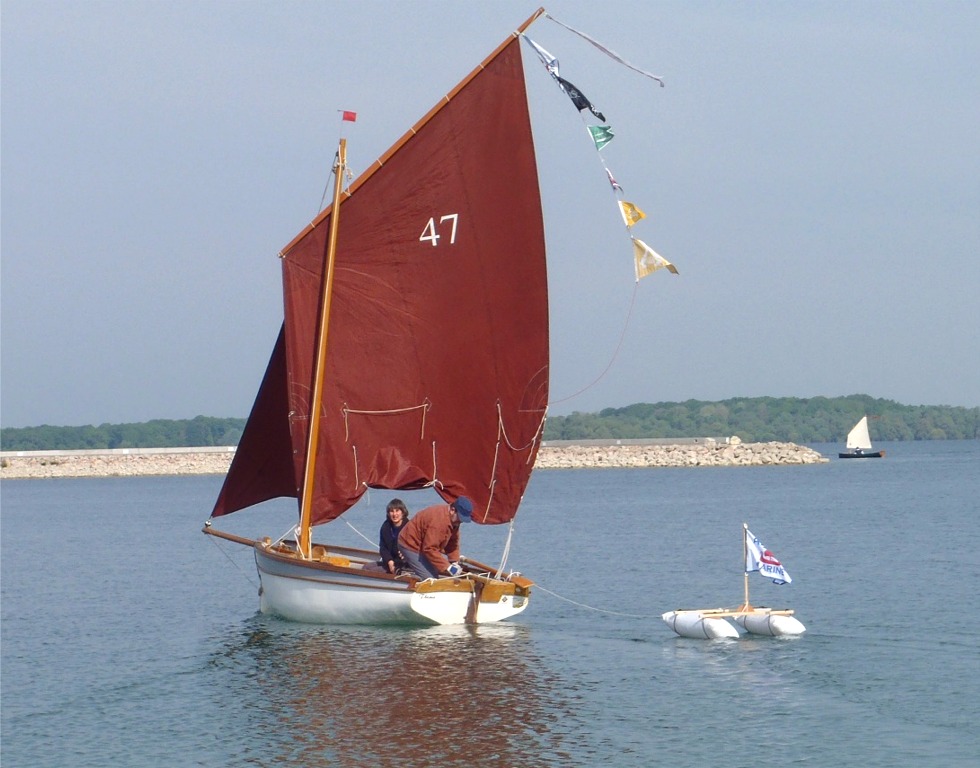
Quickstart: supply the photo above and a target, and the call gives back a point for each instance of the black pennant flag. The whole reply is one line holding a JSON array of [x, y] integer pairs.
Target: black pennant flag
[[578, 98]]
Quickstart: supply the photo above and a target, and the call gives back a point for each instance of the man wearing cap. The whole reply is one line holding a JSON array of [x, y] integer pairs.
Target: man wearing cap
[[430, 541]]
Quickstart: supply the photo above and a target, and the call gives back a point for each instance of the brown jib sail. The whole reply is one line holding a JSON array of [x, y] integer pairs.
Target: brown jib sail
[[437, 362]]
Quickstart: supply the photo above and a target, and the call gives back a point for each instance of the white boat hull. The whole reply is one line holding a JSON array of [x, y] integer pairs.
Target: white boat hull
[[322, 592], [318, 603]]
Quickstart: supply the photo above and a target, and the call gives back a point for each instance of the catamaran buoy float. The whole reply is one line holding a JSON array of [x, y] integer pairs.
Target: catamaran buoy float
[[701, 625], [761, 621], [713, 624]]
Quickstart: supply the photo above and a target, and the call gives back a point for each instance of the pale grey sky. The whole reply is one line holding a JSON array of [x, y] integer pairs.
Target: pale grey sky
[[812, 169]]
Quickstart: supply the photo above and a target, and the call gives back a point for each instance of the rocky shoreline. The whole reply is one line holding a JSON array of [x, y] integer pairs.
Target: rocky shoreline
[[215, 461], [707, 454]]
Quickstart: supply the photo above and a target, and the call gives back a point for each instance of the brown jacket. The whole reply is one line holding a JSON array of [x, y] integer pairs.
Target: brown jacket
[[431, 533]]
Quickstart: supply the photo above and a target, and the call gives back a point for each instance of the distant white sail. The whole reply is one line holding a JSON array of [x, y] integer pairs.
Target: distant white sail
[[858, 438]]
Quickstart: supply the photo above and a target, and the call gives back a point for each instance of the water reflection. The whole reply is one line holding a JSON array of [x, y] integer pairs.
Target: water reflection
[[444, 696], [750, 666]]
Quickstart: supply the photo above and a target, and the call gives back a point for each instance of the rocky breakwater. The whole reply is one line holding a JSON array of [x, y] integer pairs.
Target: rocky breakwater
[[117, 463], [709, 453], [696, 452]]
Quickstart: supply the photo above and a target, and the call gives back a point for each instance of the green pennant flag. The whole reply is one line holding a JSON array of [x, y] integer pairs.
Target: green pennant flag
[[601, 135]]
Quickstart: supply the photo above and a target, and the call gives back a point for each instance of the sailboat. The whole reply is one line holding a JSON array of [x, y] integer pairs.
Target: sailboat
[[413, 354], [859, 443], [713, 624]]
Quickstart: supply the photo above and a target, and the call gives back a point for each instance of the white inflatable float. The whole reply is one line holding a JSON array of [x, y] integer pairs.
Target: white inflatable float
[[769, 623], [713, 624], [699, 625]]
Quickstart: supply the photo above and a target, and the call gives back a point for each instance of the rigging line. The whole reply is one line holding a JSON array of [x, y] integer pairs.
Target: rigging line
[[232, 561], [502, 430], [506, 552], [593, 608], [326, 187], [348, 174], [617, 195], [351, 526], [612, 360], [294, 531], [611, 54], [386, 412]]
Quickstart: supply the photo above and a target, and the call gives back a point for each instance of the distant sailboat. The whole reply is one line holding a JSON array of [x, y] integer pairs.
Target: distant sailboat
[[859, 443]]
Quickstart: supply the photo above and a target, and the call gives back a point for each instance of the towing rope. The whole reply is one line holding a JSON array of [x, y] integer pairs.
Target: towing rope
[[593, 608]]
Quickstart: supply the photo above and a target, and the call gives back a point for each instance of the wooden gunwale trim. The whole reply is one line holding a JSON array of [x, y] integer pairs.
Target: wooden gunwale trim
[[720, 613], [333, 583], [367, 554], [445, 585], [476, 564], [292, 559], [522, 582], [374, 167]]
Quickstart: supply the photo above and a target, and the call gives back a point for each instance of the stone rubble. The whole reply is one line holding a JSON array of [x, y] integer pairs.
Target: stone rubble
[[710, 454], [216, 461]]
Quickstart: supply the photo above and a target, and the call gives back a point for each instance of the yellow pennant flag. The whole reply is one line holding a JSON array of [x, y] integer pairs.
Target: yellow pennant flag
[[631, 214], [648, 260]]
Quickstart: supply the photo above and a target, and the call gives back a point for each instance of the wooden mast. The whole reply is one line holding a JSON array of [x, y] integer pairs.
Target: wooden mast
[[313, 437], [306, 503], [745, 559]]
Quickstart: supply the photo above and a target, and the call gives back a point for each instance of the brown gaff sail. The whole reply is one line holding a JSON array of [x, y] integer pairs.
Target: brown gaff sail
[[437, 361]]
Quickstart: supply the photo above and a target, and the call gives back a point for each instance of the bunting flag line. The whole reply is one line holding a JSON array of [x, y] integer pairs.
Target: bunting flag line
[[631, 214], [648, 261], [611, 54], [549, 61], [601, 135], [612, 182], [578, 98]]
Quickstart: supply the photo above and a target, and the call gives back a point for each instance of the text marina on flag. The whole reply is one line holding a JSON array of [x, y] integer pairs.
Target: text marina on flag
[[758, 558]]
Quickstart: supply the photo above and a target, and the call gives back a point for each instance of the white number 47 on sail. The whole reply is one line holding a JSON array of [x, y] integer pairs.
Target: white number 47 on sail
[[431, 234]]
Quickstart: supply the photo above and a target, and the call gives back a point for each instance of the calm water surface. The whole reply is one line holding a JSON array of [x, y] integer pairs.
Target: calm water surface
[[130, 639]]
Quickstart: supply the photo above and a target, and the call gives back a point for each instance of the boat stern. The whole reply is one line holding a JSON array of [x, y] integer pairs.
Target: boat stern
[[471, 599]]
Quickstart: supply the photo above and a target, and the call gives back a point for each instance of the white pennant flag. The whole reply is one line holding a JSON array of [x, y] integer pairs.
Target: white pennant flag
[[549, 61], [758, 558]]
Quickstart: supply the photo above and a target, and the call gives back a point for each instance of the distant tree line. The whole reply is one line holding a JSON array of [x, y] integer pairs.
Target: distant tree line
[[161, 433], [762, 419], [753, 419]]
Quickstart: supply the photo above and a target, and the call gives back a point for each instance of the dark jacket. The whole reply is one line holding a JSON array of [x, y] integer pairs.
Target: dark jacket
[[388, 544]]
